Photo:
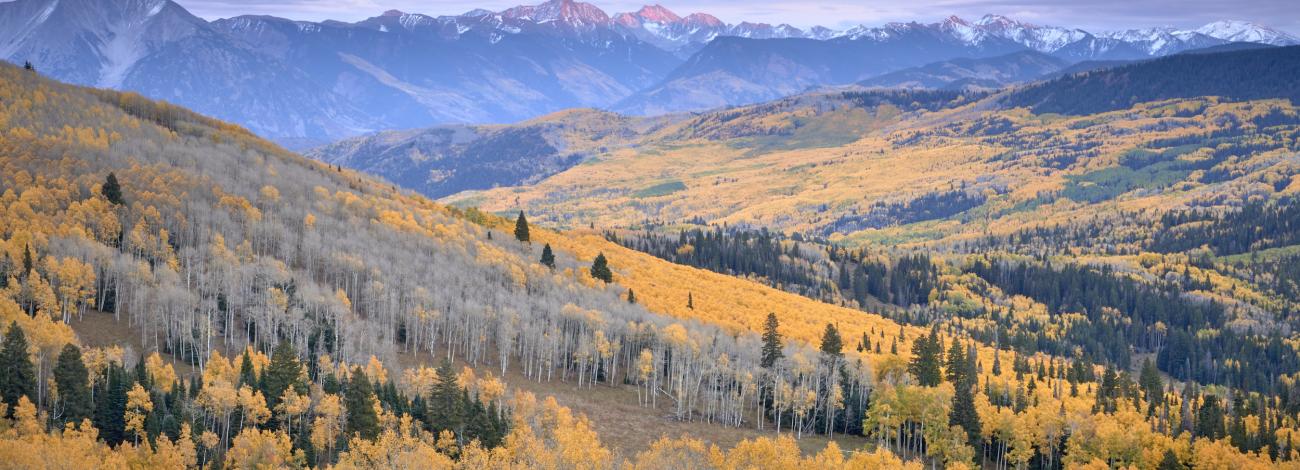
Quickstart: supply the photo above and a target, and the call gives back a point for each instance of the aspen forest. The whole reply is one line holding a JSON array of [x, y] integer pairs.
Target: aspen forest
[[283, 312]]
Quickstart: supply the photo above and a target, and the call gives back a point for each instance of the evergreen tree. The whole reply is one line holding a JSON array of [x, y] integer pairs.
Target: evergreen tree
[[832, 345], [521, 228], [771, 342], [17, 376], [926, 360], [548, 257], [1170, 461], [359, 398], [444, 402], [963, 411], [600, 269], [631, 296], [956, 366], [27, 65], [690, 301], [72, 379], [110, 405], [247, 374], [112, 190], [27, 261], [1152, 386], [1209, 419], [283, 373]]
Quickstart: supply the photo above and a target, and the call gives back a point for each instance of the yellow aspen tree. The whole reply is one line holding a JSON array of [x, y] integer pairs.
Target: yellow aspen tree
[[138, 406]]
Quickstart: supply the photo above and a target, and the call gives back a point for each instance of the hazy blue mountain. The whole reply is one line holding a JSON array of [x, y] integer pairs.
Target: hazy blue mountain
[[983, 73]]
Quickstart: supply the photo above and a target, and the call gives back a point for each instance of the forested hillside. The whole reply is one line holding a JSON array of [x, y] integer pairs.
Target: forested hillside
[[1234, 73], [289, 313], [1151, 238]]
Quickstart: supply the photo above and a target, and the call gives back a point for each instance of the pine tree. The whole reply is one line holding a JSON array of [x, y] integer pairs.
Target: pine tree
[[445, 411], [27, 65], [925, 365], [690, 301], [600, 269], [832, 345], [1209, 419], [72, 379], [282, 374], [771, 342], [17, 376], [631, 296], [27, 260], [110, 405], [247, 375], [1152, 386], [112, 190], [963, 411], [359, 398], [955, 370], [548, 257], [1170, 461], [521, 228]]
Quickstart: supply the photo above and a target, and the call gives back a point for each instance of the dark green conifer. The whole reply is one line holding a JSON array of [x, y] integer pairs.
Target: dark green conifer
[[72, 378], [521, 228], [112, 190], [359, 398], [600, 269], [17, 375], [548, 257], [772, 348]]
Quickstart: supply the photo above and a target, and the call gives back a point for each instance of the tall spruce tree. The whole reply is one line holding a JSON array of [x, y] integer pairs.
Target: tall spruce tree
[[247, 374], [521, 228], [112, 190], [955, 367], [17, 376], [832, 345], [926, 361], [548, 257], [283, 373], [771, 342], [445, 411], [359, 398], [600, 268], [1152, 385], [110, 405], [1170, 461], [73, 381], [27, 261]]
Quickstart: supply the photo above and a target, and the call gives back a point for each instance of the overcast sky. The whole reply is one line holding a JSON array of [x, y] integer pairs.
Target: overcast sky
[[839, 14]]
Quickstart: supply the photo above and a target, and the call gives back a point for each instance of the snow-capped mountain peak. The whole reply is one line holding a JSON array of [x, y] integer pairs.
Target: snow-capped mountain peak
[[1245, 31], [567, 12], [657, 14]]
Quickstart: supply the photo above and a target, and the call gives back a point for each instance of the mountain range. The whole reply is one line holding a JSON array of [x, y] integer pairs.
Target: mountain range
[[306, 83]]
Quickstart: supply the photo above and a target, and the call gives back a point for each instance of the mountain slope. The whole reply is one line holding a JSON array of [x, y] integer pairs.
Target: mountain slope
[[732, 71], [159, 49], [1239, 75], [990, 73]]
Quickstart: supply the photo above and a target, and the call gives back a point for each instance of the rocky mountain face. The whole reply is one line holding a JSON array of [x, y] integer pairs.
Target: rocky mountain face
[[305, 83]]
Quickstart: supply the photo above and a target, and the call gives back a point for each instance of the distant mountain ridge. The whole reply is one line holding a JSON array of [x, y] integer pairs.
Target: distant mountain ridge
[[1247, 74], [972, 74], [306, 83]]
